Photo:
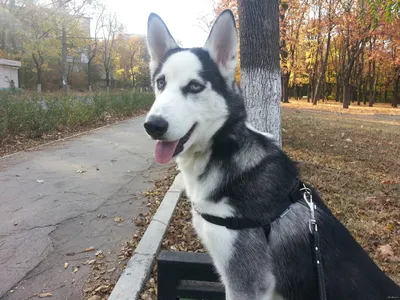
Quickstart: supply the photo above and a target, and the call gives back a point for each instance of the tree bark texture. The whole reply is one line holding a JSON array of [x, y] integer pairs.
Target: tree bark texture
[[259, 62]]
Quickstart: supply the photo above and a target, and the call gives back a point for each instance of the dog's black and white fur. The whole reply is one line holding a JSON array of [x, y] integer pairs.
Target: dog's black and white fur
[[231, 169]]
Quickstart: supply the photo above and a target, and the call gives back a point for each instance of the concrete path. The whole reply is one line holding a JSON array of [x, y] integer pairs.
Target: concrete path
[[49, 211]]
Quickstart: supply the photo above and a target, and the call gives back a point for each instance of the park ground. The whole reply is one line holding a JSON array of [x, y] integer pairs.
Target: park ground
[[351, 157]]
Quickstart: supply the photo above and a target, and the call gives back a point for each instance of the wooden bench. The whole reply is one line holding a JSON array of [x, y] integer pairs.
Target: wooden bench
[[187, 275]]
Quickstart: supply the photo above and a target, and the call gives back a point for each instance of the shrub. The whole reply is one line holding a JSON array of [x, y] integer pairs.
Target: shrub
[[34, 114]]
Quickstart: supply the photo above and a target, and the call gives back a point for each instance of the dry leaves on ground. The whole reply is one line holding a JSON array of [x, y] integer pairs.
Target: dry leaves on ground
[[337, 107], [105, 272]]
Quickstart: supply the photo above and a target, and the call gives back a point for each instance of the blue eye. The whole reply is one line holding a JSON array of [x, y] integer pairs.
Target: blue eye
[[161, 82], [195, 87]]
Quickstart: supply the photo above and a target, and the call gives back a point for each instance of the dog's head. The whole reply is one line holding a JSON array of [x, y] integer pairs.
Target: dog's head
[[191, 86]]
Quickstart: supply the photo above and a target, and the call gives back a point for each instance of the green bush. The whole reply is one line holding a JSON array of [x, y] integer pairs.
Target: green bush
[[35, 114]]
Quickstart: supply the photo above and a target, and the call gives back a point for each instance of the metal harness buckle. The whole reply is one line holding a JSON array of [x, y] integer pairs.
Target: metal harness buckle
[[307, 196]]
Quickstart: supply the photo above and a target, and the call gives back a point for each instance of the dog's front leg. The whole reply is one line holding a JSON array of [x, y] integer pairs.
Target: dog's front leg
[[232, 294], [252, 292]]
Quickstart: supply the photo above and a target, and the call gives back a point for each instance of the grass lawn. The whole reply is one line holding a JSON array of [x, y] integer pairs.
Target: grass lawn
[[354, 163]]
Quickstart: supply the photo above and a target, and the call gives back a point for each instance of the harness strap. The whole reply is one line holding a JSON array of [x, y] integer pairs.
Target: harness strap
[[236, 223], [231, 222]]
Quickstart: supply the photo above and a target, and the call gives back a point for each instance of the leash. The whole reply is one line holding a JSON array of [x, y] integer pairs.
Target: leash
[[299, 192], [307, 196]]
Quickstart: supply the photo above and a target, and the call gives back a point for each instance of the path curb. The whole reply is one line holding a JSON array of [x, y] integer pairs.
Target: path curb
[[139, 267]]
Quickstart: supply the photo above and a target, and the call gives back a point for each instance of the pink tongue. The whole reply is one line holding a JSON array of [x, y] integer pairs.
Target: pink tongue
[[165, 151]]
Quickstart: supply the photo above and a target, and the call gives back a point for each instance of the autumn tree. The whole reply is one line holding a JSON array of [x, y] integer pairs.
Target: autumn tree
[[93, 43], [40, 40], [291, 16], [345, 50], [110, 30], [130, 52]]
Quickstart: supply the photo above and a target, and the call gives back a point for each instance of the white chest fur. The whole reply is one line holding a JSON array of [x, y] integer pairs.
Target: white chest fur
[[218, 240]]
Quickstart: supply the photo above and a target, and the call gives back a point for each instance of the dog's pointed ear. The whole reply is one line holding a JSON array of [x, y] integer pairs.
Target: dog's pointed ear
[[222, 43], [159, 40]]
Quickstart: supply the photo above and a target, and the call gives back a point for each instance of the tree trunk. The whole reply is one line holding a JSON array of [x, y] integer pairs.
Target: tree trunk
[[38, 62], [347, 88], [346, 94], [396, 83], [64, 66], [337, 93], [108, 80], [89, 76], [371, 83], [365, 86], [298, 96], [385, 95], [285, 87], [259, 62], [359, 92], [39, 79]]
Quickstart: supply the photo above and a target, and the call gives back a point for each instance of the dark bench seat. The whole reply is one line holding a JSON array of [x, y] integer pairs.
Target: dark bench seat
[[187, 275]]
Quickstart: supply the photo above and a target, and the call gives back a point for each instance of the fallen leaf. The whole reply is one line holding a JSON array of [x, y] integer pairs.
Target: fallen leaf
[[118, 219], [386, 250], [66, 265], [99, 253], [389, 227], [76, 269], [89, 262], [91, 248], [103, 288], [45, 295], [388, 181]]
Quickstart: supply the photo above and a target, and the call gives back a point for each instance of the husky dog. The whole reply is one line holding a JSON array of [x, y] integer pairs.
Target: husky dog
[[232, 170]]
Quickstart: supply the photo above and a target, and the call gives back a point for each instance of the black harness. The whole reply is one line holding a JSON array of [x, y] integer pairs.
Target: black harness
[[298, 193]]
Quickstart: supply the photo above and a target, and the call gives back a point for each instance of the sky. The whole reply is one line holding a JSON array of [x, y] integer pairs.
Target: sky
[[179, 15]]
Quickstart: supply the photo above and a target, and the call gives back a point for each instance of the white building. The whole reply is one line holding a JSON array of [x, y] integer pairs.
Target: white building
[[9, 71]]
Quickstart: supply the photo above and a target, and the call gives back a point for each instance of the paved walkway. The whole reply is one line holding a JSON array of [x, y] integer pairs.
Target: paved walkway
[[49, 210]]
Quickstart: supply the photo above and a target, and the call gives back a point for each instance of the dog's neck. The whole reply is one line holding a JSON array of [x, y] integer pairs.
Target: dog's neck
[[195, 160], [238, 154]]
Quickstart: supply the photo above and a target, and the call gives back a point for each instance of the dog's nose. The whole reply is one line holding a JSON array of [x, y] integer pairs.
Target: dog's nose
[[156, 127]]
